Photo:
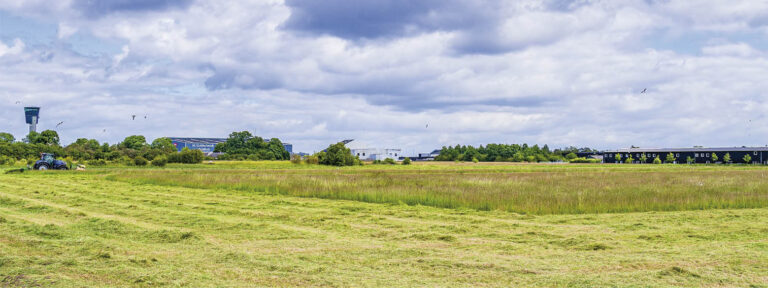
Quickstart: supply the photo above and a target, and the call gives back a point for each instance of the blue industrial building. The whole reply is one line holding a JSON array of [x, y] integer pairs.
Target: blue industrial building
[[208, 144]]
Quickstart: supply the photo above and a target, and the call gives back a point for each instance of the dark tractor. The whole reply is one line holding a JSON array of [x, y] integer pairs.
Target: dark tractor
[[48, 161]]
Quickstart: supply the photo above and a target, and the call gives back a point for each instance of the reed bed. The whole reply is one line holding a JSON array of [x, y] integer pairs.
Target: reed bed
[[533, 189]]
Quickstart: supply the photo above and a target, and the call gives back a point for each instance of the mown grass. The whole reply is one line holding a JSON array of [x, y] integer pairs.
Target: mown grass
[[78, 230], [534, 189]]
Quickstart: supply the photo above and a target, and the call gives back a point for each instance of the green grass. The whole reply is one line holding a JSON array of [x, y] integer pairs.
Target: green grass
[[535, 189], [75, 229]]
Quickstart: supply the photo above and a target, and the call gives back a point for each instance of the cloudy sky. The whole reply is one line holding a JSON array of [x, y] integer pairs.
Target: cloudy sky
[[314, 72]]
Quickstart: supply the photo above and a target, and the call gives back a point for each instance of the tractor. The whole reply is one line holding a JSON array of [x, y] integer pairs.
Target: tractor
[[48, 161]]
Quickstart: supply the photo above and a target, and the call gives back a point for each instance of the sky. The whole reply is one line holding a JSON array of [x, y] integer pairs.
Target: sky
[[415, 75]]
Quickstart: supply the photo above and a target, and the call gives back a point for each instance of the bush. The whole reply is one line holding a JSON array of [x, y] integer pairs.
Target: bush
[[337, 155], [311, 160], [389, 161], [99, 162], [657, 160], [583, 160], [160, 161], [140, 161], [296, 159], [186, 156], [407, 161]]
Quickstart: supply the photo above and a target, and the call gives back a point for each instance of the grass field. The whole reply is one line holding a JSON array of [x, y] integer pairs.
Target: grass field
[[471, 225]]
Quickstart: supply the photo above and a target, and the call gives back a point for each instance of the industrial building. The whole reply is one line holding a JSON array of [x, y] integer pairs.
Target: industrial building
[[208, 144], [366, 153], [32, 114], [701, 155]]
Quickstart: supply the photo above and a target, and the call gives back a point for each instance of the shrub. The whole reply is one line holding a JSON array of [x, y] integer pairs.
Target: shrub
[[296, 159], [99, 162], [337, 155], [584, 160], [474, 160], [407, 161], [657, 160], [312, 160], [160, 161], [389, 161], [747, 159], [140, 161]]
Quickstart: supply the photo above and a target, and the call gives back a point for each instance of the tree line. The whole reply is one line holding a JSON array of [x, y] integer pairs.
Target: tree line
[[134, 149], [505, 153]]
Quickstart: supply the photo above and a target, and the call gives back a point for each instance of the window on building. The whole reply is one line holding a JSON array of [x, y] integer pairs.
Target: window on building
[[358, 154], [363, 153], [754, 153], [696, 155], [677, 154], [707, 154]]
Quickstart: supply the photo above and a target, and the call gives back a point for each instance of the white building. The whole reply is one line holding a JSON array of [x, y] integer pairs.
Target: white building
[[366, 153]]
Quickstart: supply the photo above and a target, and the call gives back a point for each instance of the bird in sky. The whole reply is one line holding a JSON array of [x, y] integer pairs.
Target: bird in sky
[[427, 125], [104, 131], [133, 117], [57, 125], [145, 116], [18, 102], [644, 89]]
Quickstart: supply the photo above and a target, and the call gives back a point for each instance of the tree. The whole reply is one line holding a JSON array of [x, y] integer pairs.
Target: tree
[[629, 160], [689, 160], [643, 158], [714, 158], [407, 161], [135, 142], [6, 137], [164, 144], [657, 160], [618, 157], [337, 155], [671, 158], [727, 158], [47, 137], [571, 156], [747, 159]]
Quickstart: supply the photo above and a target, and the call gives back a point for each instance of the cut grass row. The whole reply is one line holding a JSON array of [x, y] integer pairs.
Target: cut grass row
[[534, 189], [76, 230]]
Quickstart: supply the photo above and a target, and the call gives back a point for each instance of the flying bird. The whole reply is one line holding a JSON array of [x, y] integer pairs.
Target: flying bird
[[57, 125], [145, 116], [133, 117], [644, 89], [18, 102], [104, 131], [427, 125]]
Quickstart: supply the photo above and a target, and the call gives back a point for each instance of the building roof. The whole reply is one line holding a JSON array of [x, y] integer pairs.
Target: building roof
[[695, 149]]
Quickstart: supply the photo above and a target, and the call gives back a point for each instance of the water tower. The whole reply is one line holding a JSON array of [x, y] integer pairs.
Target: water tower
[[32, 114]]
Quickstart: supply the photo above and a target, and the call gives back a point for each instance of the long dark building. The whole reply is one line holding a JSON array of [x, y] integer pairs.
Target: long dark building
[[758, 155]]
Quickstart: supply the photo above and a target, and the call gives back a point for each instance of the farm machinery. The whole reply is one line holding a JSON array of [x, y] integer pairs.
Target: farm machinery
[[48, 161]]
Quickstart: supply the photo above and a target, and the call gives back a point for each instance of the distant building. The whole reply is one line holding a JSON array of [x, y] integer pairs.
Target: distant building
[[369, 154], [758, 155], [425, 156], [208, 144]]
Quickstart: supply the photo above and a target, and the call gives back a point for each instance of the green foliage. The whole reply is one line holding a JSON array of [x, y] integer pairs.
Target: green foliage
[[406, 161], [571, 156], [643, 158], [160, 161], [689, 160], [715, 158], [135, 142], [187, 156], [6, 137], [337, 155], [502, 153], [657, 160], [629, 160], [671, 158], [584, 160], [296, 159], [727, 158], [165, 145], [389, 161], [256, 148], [747, 159], [99, 162], [140, 161], [618, 157], [312, 159]]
